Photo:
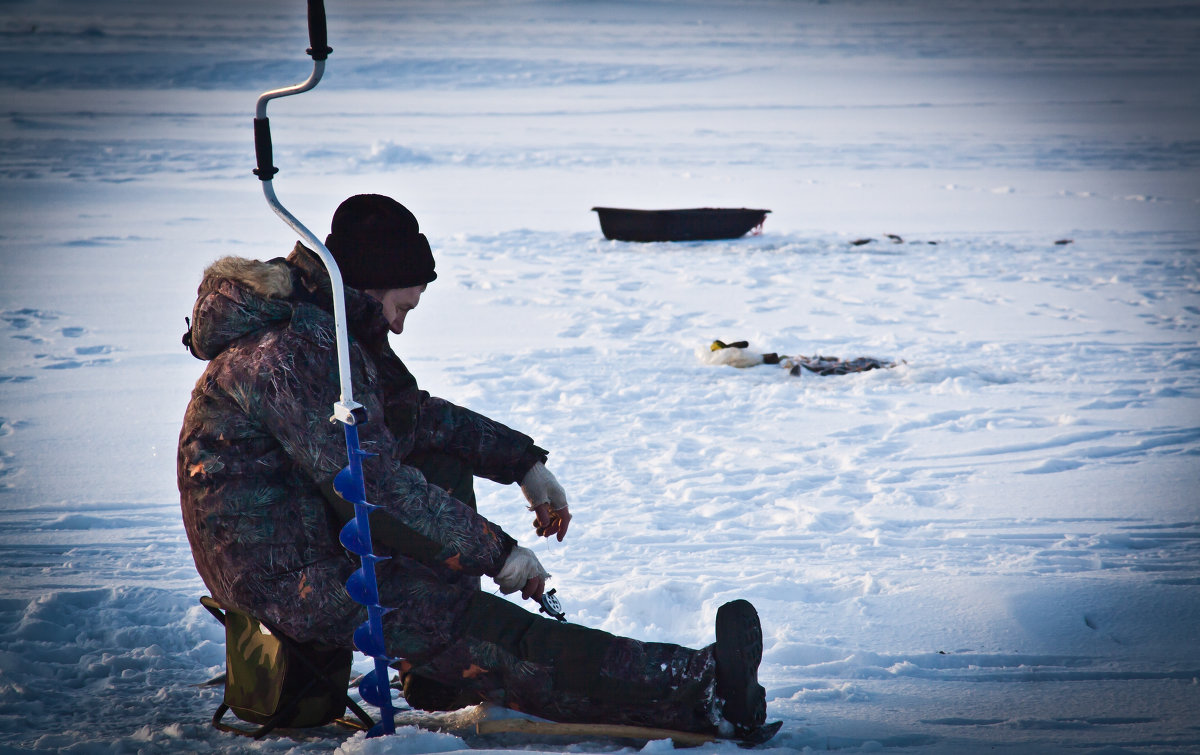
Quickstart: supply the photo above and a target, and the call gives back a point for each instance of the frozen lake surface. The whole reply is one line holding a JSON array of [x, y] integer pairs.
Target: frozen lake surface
[[992, 547]]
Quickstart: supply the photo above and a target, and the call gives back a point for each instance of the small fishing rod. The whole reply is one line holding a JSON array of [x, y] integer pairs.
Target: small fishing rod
[[375, 687]]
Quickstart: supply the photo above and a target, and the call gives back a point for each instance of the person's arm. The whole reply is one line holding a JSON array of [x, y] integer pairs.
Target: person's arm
[[492, 449], [499, 453], [289, 387]]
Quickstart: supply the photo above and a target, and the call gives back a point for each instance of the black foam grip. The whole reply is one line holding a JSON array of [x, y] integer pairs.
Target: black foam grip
[[318, 35], [262, 150]]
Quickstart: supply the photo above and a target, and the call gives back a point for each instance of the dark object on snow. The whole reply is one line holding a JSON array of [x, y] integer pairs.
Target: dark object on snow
[[274, 681], [860, 242], [818, 364], [1064, 242], [834, 366], [699, 224]]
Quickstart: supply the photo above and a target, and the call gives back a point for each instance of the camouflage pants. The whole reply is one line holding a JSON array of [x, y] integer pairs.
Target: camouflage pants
[[569, 673], [564, 672]]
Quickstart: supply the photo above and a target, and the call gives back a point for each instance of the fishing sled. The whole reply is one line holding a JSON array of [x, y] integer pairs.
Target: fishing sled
[[489, 726], [614, 731], [698, 224]]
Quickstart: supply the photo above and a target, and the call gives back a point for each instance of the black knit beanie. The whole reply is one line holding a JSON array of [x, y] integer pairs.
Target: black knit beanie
[[377, 244]]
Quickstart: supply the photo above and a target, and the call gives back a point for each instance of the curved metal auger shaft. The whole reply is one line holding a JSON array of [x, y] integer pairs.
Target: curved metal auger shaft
[[362, 586]]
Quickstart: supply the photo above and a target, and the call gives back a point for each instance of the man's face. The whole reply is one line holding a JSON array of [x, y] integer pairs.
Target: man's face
[[396, 303]]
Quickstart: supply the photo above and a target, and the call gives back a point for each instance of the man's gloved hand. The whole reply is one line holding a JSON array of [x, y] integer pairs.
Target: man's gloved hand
[[547, 500], [522, 571]]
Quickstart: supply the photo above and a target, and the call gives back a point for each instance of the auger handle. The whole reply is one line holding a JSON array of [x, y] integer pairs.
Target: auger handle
[[263, 152], [318, 36], [319, 49]]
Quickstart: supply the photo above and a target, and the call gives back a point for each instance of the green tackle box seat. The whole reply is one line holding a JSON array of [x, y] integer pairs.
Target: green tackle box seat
[[273, 681]]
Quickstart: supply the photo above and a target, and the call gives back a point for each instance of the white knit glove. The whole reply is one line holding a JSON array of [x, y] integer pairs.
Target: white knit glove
[[547, 500], [522, 571], [539, 486]]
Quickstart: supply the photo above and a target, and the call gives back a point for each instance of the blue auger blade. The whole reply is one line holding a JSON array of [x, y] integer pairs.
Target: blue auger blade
[[362, 587], [386, 726], [352, 539], [374, 690], [368, 641], [349, 485]]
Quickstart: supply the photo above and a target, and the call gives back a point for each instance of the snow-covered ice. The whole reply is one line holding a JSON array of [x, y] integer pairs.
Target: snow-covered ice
[[994, 546]]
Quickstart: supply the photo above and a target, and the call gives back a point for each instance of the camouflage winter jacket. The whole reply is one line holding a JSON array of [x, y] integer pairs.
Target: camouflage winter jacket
[[257, 444]]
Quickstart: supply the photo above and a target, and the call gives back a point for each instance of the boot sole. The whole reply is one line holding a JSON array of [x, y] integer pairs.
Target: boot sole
[[738, 653]]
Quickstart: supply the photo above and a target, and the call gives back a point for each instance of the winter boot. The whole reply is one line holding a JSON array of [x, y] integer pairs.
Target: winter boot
[[738, 653]]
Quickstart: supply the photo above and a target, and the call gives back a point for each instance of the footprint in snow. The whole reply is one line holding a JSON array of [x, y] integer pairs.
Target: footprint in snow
[[71, 364], [22, 319], [37, 327], [88, 350]]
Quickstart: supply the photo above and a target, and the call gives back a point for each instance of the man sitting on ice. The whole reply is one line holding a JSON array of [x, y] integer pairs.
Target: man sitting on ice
[[257, 455]]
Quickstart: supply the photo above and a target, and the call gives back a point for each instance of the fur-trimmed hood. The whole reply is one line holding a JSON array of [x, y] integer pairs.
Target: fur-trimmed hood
[[239, 296], [270, 280]]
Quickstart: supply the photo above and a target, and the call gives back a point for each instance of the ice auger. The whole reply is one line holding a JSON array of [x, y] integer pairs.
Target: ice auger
[[349, 483]]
